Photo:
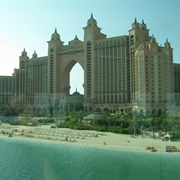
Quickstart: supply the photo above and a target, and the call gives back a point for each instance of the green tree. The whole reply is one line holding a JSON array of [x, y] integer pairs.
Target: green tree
[[174, 123], [135, 122]]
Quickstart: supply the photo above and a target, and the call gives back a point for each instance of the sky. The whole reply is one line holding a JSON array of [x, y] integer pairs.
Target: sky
[[29, 24]]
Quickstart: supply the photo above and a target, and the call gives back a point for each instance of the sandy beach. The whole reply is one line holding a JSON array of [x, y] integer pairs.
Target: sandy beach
[[85, 137]]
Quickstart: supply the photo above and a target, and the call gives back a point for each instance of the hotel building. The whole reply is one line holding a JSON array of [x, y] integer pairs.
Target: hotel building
[[122, 73]]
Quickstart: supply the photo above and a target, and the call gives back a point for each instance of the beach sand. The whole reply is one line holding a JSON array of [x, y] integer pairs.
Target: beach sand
[[86, 138]]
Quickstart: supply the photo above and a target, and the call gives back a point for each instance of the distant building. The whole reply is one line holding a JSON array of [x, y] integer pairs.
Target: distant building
[[7, 90], [123, 73]]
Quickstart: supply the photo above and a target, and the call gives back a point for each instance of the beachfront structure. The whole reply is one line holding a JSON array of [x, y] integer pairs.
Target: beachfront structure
[[71, 102], [122, 73]]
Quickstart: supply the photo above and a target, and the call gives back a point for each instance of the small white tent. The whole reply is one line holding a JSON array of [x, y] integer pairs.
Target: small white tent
[[167, 137]]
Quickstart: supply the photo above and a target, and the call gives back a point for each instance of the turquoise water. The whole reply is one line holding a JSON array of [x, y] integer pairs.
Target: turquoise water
[[32, 160]]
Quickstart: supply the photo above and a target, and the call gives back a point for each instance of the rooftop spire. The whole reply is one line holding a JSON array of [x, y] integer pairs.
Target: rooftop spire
[[24, 53], [92, 21], [76, 38], [55, 35], [135, 20], [153, 39], [55, 31], [135, 24], [92, 16], [167, 44], [34, 54]]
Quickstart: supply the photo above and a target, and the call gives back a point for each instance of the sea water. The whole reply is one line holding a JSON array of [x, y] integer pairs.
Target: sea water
[[35, 160]]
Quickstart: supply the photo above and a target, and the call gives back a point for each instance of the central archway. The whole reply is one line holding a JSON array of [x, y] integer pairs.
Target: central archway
[[68, 65], [77, 79]]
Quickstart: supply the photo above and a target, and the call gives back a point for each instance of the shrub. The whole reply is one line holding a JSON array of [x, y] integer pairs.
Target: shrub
[[19, 123]]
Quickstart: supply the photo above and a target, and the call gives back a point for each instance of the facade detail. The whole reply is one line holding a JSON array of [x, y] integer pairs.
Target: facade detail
[[177, 84], [122, 73]]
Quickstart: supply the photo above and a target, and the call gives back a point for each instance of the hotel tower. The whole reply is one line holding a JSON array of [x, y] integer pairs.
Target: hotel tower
[[122, 73]]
